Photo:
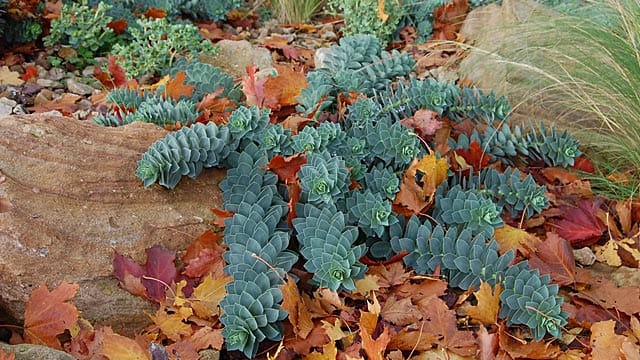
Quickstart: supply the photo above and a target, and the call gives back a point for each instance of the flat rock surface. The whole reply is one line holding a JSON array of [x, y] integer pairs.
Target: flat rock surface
[[69, 198]]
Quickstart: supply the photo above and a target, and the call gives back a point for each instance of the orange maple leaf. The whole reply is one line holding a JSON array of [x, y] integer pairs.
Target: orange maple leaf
[[118, 347], [176, 87], [299, 316], [49, 314], [486, 312]]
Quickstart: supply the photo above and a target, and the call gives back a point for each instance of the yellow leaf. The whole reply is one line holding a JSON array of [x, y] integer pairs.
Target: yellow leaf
[[486, 312], [381, 14], [180, 300], [512, 238], [367, 284], [206, 297], [8, 77], [171, 325], [435, 173], [608, 253], [329, 352], [118, 347], [334, 332], [299, 315]]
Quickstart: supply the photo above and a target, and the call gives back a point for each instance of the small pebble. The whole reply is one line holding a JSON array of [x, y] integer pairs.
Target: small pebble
[[584, 256]]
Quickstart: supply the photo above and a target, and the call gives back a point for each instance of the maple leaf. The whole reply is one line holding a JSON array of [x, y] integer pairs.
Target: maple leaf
[[421, 293], [316, 338], [607, 294], [488, 344], [221, 215], [299, 315], [516, 239], [209, 261], [448, 19], [176, 88], [158, 271], [116, 78], [118, 26], [66, 105], [606, 344], [486, 312], [8, 77], [616, 252], [5, 356], [206, 337], [424, 122], [273, 92], [583, 164], [172, 325], [375, 348], [206, 296], [580, 225], [334, 331], [118, 347], [474, 157], [367, 284], [30, 72], [554, 256], [294, 123], [215, 108], [329, 352], [287, 167], [438, 327], [433, 172], [252, 87], [389, 275], [400, 311], [560, 175], [49, 314], [207, 240]]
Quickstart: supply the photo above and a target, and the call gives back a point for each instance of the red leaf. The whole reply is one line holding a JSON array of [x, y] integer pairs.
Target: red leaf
[[287, 167], [555, 257], [221, 215], [49, 314], [583, 164], [424, 122], [209, 261], [580, 225], [475, 156], [253, 88], [294, 196], [207, 240], [118, 26], [158, 272], [155, 13], [116, 78], [30, 71]]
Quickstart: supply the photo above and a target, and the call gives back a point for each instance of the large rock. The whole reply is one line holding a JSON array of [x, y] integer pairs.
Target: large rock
[[234, 56], [69, 198]]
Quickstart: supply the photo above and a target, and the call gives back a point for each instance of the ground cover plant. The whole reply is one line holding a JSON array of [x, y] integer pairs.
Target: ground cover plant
[[368, 212]]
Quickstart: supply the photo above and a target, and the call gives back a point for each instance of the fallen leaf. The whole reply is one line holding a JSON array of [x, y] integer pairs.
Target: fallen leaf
[[488, 307], [118, 26], [49, 314], [5, 356], [287, 167], [606, 344], [176, 88], [382, 15], [252, 87], [375, 349], [207, 240], [448, 20], [172, 325], [295, 123], [618, 252], [221, 215], [329, 352], [580, 225], [8, 77], [283, 89], [554, 256], [488, 344], [215, 108], [474, 157], [559, 175], [206, 297], [116, 78], [400, 311], [607, 294], [522, 349], [66, 105], [118, 347], [623, 212], [299, 316], [422, 292], [316, 338], [334, 331], [432, 172], [423, 122], [391, 274], [206, 337], [157, 273], [516, 239], [155, 13], [367, 284], [30, 72], [582, 163]]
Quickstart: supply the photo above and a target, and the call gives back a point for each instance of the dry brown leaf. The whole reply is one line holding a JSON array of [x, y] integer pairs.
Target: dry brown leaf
[[512, 238], [486, 312], [8, 77], [389, 275], [606, 344], [367, 284], [521, 349], [299, 315], [400, 311]]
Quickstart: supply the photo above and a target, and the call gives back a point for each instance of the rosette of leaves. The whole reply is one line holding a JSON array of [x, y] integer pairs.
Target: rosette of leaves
[[153, 109], [323, 179], [553, 147], [275, 140], [307, 140], [474, 104], [391, 143], [246, 124], [358, 64], [329, 247], [331, 136], [129, 98], [360, 115], [505, 142], [509, 190], [464, 259], [528, 298], [207, 79], [214, 10], [157, 43], [257, 257], [246, 182], [370, 211], [84, 29], [383, 181], [413, 95], [183, 152], [467, 209], [419, 15]]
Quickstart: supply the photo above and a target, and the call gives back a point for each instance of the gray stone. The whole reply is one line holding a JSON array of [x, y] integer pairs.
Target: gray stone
[[76, 87], [88, 71], [56, 74], [209, 354], [320, 57], [8, 102], [45, 95], [234, 56], [48, 83], [35, 352], [5, 109], [584, 256], [74, 200]]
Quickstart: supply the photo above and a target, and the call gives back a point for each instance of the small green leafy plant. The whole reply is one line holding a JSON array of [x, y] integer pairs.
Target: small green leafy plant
[[362, 17]]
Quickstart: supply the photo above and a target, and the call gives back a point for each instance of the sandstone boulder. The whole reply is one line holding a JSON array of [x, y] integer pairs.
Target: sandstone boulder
[[69, 198]]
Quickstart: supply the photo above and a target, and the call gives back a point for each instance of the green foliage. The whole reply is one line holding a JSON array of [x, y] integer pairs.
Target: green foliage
[[414, 94], [552, 147], [184, 152], [323, 179], [361, 17], [419, 15], [156, 44], [476, 105], [509, 190], [246, 123], [22, 31], [329, 247], [370, 212], [147, 108], [207, 79], [382, 180], [358, 64], [528, 299], [468, 209], [257, 257], [84, 29], [466, 260], [391, 143], [214, 10], [275, 140]]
